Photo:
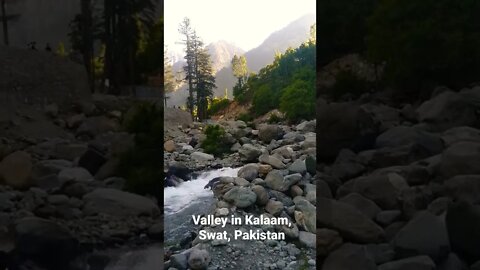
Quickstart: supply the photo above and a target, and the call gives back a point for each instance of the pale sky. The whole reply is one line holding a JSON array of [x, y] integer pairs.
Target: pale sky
[[245, 23]]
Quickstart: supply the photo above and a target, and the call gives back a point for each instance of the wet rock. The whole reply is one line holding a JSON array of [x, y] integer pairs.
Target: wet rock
[[249, 172]]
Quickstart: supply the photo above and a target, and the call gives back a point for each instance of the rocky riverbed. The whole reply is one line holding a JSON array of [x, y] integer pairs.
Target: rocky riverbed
[[398, 184], [276, 178], [62, 203]]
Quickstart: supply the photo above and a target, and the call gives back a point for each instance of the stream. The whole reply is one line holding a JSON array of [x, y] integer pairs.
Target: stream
[[187, 199]]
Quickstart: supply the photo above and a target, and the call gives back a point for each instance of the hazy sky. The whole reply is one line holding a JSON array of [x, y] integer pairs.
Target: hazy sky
[[245, 23]]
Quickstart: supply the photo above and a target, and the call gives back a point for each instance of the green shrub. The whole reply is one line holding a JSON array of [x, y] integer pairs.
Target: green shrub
[[218, 105], [298, 101], [346, 82], [245, 117], [274, 118], [142, 166], [215, 143]]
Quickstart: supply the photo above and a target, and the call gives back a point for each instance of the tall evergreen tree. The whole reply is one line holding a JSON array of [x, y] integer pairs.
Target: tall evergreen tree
[[205, 82], [186, 30]]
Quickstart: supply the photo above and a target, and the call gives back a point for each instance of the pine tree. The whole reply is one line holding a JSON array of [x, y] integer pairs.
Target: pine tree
[[205, 82], [186, 30]]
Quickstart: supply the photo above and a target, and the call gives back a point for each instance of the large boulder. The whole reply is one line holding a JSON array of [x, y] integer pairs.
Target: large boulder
[[458, 134], [267, 133], [463, 187], [425, 234], [402, 135], [118, 203], [349, 222], [384, 190], [450, 109], [349, 256], [460, 158], [16, 169], [249, 153], [241, 197], [308, 214], [343, 125], [276, 181], [249, 172], [45, 240]]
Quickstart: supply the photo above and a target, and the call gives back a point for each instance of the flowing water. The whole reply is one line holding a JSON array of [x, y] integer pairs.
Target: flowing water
[[187, 199]]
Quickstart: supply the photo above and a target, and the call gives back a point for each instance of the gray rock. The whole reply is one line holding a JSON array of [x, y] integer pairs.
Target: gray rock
[[201, 157], [179, 261], [276, 181], [425, 234], [402, 135], [308, 239], [459, 134], [118, 203], [384, 190], [381, 253], [327, 241], [438, 112], [463, 187], [199, 259], [274, 207], [249, 172], [262, 195], [460, 158], [412, 263], [387, 217], [308, 214], [74, 175], [298, 166], [272, 160], [249, 153], [362, 204], [349, 222], [349, 256], [241, 197], [267, 133]]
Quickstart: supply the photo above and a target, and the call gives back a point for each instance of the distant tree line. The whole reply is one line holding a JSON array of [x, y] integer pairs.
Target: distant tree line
[[422, 44], [287, 84], [126, 31]]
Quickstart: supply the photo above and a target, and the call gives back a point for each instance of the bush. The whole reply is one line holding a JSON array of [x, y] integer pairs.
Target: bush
[[426, 43], [274, 118], [218, 105], [298, 101], [346, 82], [142, 166], [245, 117], [216, 142]]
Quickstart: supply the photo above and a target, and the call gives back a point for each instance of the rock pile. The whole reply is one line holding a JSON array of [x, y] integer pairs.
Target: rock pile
[[408, 197], [61, 196], [276, 179]]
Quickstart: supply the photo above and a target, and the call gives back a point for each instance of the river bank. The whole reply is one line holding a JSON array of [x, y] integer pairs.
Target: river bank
[[274, 177]]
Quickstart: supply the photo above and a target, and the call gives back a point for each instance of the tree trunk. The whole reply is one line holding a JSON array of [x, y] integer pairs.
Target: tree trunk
[[5, 23], [88, 39]]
